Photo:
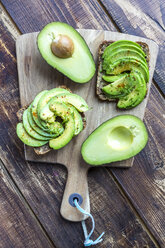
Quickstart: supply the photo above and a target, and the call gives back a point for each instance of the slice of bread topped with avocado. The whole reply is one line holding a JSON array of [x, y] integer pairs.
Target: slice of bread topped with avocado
[[53, 118], [123, 72]]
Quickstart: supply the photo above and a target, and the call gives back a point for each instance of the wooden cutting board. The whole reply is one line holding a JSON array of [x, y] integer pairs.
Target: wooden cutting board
[[36, 75]]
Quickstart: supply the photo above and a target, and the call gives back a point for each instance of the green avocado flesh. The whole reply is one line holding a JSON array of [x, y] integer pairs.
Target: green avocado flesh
[[112, 79], [63, 111], [80, 67], [63, 119], [37, 128], [26, 138], [120, 87], [125, 44], [125, 68], [117, 139]]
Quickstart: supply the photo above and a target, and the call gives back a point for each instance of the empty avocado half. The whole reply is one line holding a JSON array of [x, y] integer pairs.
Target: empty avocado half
[[117, 139], [65, 49]]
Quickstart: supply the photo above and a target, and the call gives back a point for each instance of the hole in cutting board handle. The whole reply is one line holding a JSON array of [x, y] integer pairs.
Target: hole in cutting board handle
[[73, 197]]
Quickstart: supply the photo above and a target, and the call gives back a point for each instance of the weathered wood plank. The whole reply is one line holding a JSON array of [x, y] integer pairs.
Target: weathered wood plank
[[31, 16], [143, 18], [39, 186], [18, 226]]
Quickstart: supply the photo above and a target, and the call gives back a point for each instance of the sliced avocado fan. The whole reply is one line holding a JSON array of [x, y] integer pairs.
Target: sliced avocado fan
[[65, 49], [126, 70], [53, 117]]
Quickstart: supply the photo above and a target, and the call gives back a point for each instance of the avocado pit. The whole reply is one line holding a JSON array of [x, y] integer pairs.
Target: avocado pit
[[62, 46]]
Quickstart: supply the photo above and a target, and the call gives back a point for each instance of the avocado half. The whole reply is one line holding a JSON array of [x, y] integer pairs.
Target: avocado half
[[54, 117], [117, 139], [79, 66]]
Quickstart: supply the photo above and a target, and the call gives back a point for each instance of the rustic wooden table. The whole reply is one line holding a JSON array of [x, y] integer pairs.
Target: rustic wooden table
[[128, 204]]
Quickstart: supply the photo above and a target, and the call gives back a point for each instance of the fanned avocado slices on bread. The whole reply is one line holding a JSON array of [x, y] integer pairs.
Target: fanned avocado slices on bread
[[123, 72], [51, 120]]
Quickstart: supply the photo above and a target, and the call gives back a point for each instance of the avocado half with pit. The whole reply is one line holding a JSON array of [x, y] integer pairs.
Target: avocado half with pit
[[117, 139], [125, 73], [65, 49], [54, 118]]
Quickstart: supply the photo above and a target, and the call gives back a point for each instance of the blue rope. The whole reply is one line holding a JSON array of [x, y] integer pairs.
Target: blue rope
[[88, 241]]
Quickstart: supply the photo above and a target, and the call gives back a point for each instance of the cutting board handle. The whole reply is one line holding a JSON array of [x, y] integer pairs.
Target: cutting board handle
[[76, 184]]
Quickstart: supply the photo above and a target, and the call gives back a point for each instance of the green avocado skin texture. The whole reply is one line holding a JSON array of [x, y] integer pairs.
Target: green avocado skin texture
[[80, 67], [117, 139], [125, 58]]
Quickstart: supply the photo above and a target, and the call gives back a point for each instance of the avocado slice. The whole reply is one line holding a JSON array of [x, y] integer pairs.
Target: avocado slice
[[78, 122], [128, 64], [26, 138], [34, 109], [79, 66], [44, 99], [77, 101], [111, 79], [29, 129], [123, 43], [117, 139], [63, 111], [137, 95], [121, 87], [36, 128], [122, 54]]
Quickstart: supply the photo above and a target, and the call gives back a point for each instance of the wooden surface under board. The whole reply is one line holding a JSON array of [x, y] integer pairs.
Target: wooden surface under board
[[111, 189], [36, 75]]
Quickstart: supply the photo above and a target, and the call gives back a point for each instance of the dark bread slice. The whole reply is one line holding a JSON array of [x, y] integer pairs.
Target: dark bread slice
[[45, 148], [100, 82]]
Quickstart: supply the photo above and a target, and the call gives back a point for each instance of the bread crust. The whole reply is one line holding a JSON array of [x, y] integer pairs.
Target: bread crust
[[100, 83]]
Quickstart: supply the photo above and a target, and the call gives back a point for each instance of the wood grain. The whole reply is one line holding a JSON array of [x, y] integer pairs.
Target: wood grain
[[42, 185], [18, 226], [143, 18], [40, 77]]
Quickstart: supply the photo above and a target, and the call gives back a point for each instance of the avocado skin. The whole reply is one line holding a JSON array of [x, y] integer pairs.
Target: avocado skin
[[81, 68], [98, 148]]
